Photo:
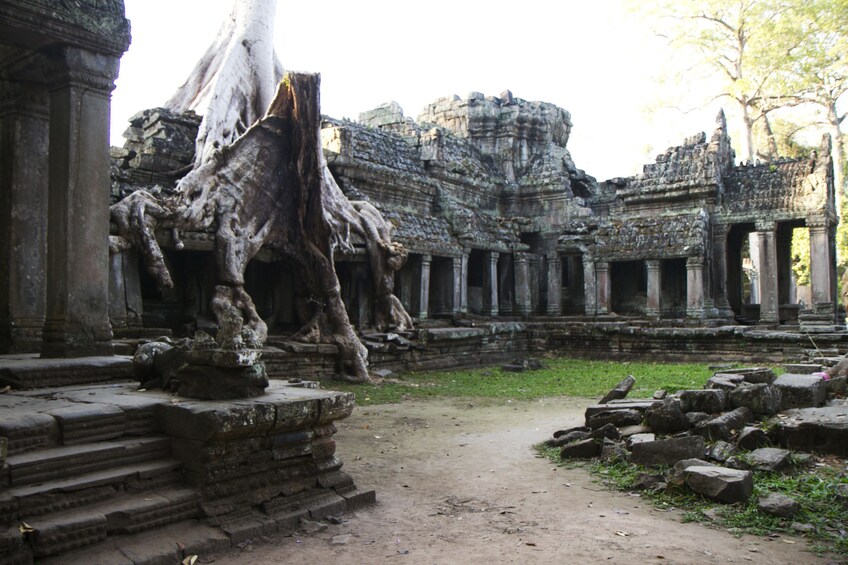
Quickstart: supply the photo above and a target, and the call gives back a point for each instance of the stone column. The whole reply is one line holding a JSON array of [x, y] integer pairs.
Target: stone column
[[554, 285], [77, 321], [24, 131], [695, 287], [125, 303], [424, 291], [604, 287], [490, 306], [590, 287], [722, 303], [820, 263], [653, 308], [523, 298], [765, 241], [463, 282]]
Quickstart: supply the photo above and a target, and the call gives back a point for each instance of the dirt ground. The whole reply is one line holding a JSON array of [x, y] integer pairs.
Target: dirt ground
[[460, 483]]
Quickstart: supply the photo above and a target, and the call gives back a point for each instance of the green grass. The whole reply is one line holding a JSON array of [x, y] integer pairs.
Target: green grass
[[821, 491], [561, 377]]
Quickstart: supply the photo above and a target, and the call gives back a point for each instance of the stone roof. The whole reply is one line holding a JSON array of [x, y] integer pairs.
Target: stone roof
[[422, 233], [779, 188]]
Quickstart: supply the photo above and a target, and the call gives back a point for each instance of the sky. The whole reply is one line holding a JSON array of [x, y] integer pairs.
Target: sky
[[593, 58]]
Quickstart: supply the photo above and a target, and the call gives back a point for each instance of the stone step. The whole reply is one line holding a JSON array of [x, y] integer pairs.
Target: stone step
[[63, 462], [61, 494], [60, 532], [31, 371]]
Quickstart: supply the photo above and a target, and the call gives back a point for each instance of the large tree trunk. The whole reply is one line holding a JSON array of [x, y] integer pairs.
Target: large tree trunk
[[271, 187], [838, 155], [233, 83]]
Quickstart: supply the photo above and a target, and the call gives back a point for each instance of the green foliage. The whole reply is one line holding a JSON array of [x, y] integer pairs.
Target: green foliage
[[822, 493], [801, 255], [561, 377]]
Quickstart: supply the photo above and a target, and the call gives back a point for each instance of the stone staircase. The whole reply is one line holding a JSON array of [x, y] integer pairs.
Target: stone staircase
[[90, 474]]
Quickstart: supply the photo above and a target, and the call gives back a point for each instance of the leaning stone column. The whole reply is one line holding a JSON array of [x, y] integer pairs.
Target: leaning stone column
[[604, 287], [77, 321], [554, 284], [722, 303], [424, 292], [490, 307], [820, 263], [523, 297], [653, 308], [695, 287], [23, 216], [767, 271]]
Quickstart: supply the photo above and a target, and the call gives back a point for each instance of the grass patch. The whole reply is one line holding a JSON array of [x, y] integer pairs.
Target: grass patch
[[821, 491], [560, 377]]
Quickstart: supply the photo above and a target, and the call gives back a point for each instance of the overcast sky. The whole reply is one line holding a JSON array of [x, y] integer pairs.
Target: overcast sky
[[592, 58]]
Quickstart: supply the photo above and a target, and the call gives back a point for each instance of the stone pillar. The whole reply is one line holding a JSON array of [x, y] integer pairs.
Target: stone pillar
[[523, 298], [695, 287], [77, 321], [654, 307], [820, 263], [765, 241], [554, 285], [722, 303], [463, 282], [590, 287], [604, 287], [456, 264], [490, 291], [24, 130], [424, 289], [125, 303]]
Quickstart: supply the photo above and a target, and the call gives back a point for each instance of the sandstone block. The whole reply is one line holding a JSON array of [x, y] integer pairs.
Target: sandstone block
[[720, 483], [760, 398], [668, 451], [800, 391]]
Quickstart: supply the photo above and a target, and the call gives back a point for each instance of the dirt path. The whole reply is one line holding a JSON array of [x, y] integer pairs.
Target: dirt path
[[459, 483]]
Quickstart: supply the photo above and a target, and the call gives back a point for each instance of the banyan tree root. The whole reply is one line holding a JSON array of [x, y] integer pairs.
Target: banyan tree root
[[271, 188]]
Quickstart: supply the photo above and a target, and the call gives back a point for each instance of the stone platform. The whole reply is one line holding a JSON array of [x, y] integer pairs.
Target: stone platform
[[109, 473]]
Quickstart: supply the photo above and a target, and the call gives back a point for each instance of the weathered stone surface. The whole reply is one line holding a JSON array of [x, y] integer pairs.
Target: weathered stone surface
[[620, 390], [639, 405], [821, 430], [607, 431], [800, 391], [752, 375], [719, 483], [761, 398], [208, 382], [724, 382], [628, 431], [668, 451], [770, 459], [616, 417], [560, 433], [641, 438], [778, 504], [581, 449], [696, 418], [724, 426], [706, 400], [751, 438], [568, 437], [676, 474], [667, 418], [614, 451], [721, 451]]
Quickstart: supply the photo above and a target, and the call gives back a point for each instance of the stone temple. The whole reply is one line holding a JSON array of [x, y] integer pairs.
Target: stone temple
[[513, 251]]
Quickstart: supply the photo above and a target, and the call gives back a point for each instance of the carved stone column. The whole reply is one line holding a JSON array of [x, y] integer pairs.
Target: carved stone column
[[695, 287], [604, 287], [820, 262], [456, 264], [523, 297], [463, 282], [767, 270], [590, 287], [554, 285], [490, 290], [424, 289], [653, 308], [24, 130], [722, 303], [77, 322]]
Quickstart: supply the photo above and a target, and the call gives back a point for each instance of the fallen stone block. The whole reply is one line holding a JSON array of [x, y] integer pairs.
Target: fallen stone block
[[628, 431], [640, 438], [667, 418], [760, 398], [720, 483], [819, 430], [668, 451], [606, 432], [616, 417], [696, 418], [724, 426], [620, 391], [751, 437], [625, 404], [721, 451], [752, 375], [769, 459], [704, 400], [802, 368], [614, 451], [836, 385], [582, 449], [778, 504], [676, 475], [800, 391], [724, 382]]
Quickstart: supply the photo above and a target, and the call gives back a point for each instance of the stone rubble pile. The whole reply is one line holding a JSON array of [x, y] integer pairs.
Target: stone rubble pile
[[714, 439]]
